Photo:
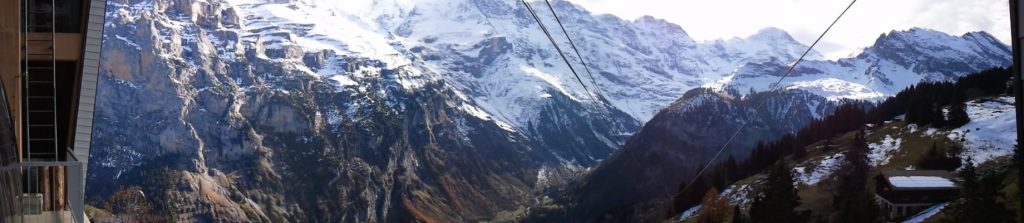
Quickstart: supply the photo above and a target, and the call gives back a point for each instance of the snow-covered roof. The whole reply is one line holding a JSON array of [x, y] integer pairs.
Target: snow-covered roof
[[921, 182], [919, 179]]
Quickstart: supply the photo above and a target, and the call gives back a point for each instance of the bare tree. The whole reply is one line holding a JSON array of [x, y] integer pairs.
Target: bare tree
[[130, 205]]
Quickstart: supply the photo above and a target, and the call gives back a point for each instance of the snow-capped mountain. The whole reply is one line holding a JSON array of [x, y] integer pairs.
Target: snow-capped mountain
[[392, 110], [510, 73], [470, 42], [896, 60], [507, 72]]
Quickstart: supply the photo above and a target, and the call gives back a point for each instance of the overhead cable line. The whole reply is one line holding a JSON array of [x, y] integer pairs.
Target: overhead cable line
[[775, 88], [597, 88], [559, 49], [571, 43]]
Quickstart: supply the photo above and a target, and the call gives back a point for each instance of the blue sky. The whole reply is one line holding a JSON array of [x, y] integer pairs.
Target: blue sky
[[805, 19]]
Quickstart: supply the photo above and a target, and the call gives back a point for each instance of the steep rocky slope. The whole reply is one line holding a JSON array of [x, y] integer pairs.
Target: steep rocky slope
[[227, 131]]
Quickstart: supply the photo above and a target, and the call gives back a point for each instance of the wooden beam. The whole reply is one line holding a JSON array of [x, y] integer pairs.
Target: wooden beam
[[69, 47]]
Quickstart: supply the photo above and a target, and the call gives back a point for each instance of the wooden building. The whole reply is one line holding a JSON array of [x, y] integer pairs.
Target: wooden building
[[903, 193]]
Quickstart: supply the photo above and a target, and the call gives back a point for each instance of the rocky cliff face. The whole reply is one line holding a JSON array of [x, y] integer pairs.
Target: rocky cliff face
[[447, 111], [225, 130]]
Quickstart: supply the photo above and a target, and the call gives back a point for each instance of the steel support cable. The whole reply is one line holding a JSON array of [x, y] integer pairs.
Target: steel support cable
[[590, 94], [564, 58], [593, 83], [573, 45], [559, 49]]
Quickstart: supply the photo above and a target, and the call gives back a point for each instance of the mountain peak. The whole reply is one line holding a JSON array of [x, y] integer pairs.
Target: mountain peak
[[982, 36], [926, 35], [649, 18], [773, 34], [915, 31], [938, 56], [923, 38], [662, 24], [563, 7]]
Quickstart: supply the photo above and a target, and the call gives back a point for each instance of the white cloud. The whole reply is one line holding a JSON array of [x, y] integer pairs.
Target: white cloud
[[805, 19]]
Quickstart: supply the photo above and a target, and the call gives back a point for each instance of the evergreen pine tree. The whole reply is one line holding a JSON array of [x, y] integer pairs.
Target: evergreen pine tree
[[828, 145], [852, 199], [779, 200], [737, 215], [962, 209], [992, 197], [732, 169], [958, 115], [799, 152], [979, 199], [938, 159], [938, 119]]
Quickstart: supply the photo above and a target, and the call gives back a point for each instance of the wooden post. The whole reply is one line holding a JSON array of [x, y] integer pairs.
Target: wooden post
[[1018, 91]]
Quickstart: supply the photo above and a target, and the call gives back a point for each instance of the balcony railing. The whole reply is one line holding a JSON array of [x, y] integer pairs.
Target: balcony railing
[[45, 191]]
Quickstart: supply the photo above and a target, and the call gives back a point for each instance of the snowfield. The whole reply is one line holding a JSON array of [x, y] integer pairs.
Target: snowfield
[[992, 131], [822, 169]]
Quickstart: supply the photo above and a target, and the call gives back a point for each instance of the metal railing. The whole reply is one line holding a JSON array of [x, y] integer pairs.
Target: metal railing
[[59, 195], [55, 194]]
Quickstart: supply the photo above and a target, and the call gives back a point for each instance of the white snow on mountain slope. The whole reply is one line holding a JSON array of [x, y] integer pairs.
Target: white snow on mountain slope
[[897, 60], [992, 131], [689, 213], [810, 173], [991, 134], [313, 29], [882, 151], [835, 89], [761, 45], [846, 79], [495, 53]]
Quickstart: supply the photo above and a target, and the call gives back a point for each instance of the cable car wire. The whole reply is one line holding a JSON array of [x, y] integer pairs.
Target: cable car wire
[[775, 88], [573, 45], [559, 49]]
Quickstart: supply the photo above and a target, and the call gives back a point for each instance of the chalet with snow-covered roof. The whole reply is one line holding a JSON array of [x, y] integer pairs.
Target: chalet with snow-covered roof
[[902, 193]]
